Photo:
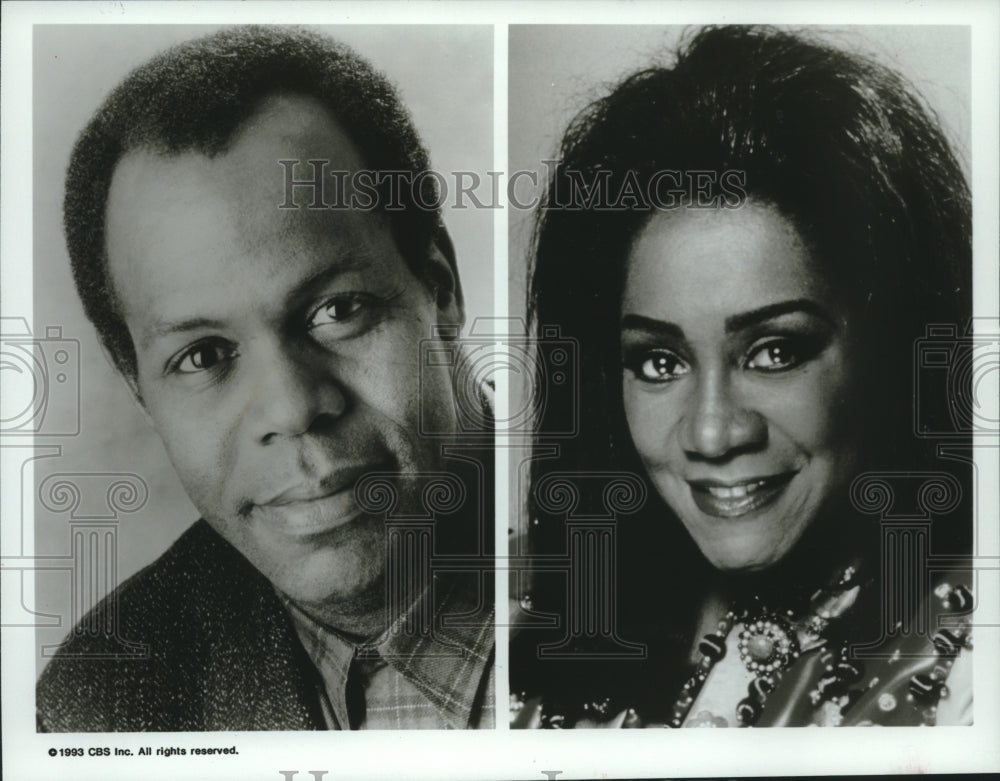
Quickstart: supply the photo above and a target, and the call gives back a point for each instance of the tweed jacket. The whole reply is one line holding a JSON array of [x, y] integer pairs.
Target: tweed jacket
[[198, 640]]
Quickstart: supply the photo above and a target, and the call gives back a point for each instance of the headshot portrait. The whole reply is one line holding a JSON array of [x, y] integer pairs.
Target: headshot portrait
[[753, 237], [272, 511]]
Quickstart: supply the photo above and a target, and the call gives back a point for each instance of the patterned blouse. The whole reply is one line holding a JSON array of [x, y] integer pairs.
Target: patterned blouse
[[768, 669]]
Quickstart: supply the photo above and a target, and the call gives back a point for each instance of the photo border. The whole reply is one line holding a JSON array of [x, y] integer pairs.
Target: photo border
[[502, 753]]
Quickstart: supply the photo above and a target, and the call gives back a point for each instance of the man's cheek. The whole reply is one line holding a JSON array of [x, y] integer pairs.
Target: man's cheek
[[203, 488], [443, 402], [201, 464]]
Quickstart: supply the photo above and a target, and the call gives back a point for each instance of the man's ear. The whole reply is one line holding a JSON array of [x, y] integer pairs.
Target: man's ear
[[130, 381], [443, 274]]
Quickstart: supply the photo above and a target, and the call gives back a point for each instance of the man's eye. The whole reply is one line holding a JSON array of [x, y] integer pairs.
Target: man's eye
[[658, 366], [206, 356], [774, 356], [336, 310]]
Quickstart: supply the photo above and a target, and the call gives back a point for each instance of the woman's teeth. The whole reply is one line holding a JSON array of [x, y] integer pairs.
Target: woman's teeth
[[736, 491]]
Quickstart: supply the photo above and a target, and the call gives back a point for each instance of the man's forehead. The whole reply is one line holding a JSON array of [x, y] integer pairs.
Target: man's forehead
[[168, 213], [282, 127], [300, 124], [247, 179]]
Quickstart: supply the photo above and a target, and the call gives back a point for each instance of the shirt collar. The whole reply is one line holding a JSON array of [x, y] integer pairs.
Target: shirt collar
[[446, 664]]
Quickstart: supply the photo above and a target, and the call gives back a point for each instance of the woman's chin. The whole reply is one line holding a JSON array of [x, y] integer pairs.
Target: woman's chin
[[740, 566], [736, 560], [799, 555]]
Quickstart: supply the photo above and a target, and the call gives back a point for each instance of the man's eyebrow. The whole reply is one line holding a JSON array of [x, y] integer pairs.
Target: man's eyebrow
[[161, 328], [347, 262]]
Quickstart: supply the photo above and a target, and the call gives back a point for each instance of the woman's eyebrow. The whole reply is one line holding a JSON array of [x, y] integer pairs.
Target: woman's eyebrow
[[754, 316], [651, 326], [632, 322]]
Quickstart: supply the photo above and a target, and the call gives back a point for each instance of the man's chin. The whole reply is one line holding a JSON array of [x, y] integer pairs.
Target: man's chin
[[345, 571], [347, 595], [345, 566], [317, 584]]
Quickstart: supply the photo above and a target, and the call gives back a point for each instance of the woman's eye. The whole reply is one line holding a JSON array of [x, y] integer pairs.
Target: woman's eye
[[336, 310], [203, 357], [659, 366], [773, 356]]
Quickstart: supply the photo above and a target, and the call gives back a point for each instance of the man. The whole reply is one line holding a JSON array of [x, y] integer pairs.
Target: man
[[274, 343]]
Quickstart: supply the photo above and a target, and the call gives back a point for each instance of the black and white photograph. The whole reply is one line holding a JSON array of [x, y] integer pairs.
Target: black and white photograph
[[270, 335], [743, 239], [436, 390]]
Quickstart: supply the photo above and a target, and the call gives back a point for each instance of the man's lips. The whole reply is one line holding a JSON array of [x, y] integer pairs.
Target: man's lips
[[310, 491], [317, 507], [731, 499]]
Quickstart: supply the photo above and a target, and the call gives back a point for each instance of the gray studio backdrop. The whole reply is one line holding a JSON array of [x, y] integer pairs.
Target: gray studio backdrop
[[109, 503], [556, 70]]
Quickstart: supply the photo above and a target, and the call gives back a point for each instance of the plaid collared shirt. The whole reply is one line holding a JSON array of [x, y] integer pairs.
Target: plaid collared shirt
[[407, 679]]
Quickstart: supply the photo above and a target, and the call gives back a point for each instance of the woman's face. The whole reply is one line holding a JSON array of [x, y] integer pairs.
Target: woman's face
[[739, 377]]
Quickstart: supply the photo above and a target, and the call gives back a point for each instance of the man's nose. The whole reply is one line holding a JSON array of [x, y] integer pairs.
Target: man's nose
[[292, 391], [719, 422]]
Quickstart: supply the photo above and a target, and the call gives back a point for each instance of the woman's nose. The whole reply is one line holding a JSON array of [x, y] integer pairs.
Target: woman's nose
[[292, 392], [719, 422]]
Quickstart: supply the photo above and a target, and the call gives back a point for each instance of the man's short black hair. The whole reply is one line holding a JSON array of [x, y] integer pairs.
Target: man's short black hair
[[194, 97]]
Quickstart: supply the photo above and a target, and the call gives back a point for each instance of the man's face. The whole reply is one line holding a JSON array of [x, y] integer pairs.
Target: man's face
[[278, 350]]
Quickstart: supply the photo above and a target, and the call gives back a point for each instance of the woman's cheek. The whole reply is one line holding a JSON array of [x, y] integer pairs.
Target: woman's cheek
[[648, 422], [814, 414]]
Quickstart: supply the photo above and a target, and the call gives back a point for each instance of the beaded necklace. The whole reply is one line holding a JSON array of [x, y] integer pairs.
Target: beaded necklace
[[769, 642]]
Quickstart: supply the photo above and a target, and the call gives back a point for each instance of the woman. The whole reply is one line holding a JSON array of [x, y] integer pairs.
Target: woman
[[747, 246]]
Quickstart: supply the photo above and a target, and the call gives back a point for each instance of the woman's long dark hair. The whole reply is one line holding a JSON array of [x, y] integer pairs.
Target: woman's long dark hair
[[844, 149]]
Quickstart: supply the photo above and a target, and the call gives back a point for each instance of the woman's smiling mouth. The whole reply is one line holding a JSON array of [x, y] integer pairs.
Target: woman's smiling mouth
[[733, 499]]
